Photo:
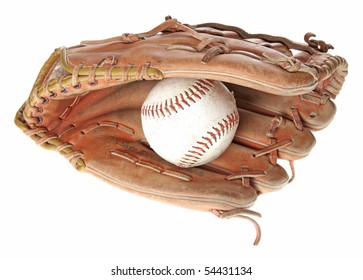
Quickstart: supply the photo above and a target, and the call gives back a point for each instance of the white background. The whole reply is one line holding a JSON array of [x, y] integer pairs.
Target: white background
[[56, 223]]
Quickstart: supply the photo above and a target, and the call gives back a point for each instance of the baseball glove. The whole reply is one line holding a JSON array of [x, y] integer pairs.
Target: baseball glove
[[86, 104]]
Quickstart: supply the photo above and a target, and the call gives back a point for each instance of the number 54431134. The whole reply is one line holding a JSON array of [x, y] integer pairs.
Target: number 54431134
[[224, 270]]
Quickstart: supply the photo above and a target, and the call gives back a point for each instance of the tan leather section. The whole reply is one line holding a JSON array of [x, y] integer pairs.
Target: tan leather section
[[237, 157], [254, 132], [206, 190], [244, 65], [106, 126], [314, 115]]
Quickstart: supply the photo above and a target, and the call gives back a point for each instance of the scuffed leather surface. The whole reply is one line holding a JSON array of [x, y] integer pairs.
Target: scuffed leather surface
[[86, 103]]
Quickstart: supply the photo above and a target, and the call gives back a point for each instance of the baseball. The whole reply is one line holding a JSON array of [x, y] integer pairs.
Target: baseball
[[189, 122]]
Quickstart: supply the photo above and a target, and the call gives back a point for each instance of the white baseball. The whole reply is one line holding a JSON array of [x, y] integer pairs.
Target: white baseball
[[189, 122]]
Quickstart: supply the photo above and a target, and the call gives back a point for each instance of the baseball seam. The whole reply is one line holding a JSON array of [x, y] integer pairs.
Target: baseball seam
[[195, 92], [199, 149]]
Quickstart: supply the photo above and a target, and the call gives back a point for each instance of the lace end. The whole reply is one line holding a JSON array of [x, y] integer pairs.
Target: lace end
[[292, 167], [242, 214]]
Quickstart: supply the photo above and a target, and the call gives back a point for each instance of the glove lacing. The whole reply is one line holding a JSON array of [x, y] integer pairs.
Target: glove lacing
[[241, 213]]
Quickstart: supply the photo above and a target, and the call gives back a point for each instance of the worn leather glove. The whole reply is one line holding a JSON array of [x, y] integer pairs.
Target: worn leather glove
[[86, 103]]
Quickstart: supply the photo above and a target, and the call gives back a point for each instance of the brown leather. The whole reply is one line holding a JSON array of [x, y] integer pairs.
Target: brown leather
[[315, 111], [86, 103], [256, 131]]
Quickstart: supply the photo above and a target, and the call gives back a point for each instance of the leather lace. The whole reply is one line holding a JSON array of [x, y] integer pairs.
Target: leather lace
[[245, 176], [241, 213]]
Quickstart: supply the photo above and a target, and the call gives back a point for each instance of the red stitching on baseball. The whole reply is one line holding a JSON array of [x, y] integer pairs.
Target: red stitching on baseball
[[200, 148], [191, 157], [157, 111], [189, 97], [178, 103], [194, 93], [161, 110], [222, 127], [213, 135], [204, 144], [218, 131], [199, 89], [226, 124], [183, 100], [205, 84], [167, 108], [208, 140], [195, 152], [152, 110], [172, 106]]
